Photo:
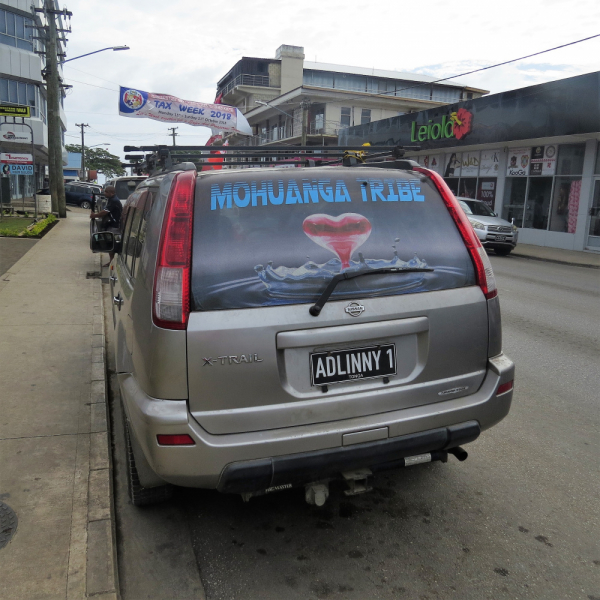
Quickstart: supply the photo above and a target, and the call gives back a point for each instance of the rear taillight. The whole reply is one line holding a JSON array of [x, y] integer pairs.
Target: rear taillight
[[481, 261], [505, 387], [171, 302]]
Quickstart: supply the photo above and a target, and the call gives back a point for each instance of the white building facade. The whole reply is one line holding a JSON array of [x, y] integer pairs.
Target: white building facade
[[21, 82], [271, 92]]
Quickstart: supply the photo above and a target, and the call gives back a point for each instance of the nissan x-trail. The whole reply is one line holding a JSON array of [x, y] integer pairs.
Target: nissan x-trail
[[279, 328]]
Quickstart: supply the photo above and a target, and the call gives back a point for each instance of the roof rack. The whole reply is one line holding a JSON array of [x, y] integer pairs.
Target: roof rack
[[161, 158]]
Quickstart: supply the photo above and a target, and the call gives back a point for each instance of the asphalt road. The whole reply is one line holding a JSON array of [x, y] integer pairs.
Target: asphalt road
[[518, 519]]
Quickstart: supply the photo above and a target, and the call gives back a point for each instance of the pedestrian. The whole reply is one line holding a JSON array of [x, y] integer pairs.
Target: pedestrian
[[110, 215]]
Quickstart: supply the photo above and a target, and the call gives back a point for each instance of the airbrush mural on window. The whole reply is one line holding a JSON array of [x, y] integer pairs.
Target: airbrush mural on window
[[280, 241]]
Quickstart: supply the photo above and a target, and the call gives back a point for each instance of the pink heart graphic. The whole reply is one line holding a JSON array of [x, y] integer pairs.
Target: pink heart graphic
[[341, 235]]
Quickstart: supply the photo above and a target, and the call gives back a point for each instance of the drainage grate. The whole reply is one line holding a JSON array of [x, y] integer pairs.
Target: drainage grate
[[8, 524], [93, 275]]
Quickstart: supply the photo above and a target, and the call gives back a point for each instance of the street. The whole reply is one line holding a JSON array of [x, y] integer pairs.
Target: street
[[517, 520]]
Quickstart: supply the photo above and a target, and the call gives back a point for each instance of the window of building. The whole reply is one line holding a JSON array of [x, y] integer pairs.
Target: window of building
[[570, 159], [514, 199], [345, 119], [18, 92], [13, 30], [538, 203], [365, 116]]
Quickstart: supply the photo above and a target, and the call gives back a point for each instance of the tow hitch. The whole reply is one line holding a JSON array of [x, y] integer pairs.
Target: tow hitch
[[358, 481]]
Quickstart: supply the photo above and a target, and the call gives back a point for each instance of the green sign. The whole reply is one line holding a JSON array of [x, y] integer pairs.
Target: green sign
[[14, 110], [456, 124]]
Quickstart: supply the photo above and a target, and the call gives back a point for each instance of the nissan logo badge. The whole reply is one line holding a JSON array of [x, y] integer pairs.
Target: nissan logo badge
[[354, 309]]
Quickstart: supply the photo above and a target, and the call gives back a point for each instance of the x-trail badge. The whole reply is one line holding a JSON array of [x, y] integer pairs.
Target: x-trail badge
[[354, 309]]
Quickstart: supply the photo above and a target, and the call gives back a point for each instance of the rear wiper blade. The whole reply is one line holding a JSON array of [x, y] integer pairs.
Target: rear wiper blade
[[315, 310]]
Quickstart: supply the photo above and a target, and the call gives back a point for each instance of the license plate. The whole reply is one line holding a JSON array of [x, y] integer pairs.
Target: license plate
[[352, 364], [500, 238]]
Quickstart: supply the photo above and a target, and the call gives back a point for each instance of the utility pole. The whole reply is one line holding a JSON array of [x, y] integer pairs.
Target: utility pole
[[305, 105], [53, 86], [172, 130], [82, 125]]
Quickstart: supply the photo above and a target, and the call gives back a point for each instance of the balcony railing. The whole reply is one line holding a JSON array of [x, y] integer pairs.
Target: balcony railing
[[244, 79]]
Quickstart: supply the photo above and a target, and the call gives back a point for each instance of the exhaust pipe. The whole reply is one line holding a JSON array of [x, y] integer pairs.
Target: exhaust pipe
[[460, 453]]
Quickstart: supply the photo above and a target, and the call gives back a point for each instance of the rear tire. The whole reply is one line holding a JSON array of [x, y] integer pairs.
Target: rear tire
[[503, 251], [85, 204], [139, 495]]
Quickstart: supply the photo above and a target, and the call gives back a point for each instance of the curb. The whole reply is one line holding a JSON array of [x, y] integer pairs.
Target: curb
[[555, 261], [101, 557]]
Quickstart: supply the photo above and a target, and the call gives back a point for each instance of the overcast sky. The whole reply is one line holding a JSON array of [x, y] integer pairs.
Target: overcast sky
[[183, 47]]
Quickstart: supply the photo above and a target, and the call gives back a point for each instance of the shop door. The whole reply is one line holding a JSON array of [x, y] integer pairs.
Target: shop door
[[593, 240], [537, 207]]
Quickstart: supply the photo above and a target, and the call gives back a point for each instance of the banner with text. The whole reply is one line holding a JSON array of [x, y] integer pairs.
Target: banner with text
[[169, 109]]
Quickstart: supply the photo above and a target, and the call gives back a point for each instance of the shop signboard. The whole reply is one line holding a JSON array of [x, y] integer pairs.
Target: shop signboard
[[15, 137], [489, 163], [452, 164], [518, 162], [470, 164], [11, 158], [14, 110], [543, 160], [21, 169]]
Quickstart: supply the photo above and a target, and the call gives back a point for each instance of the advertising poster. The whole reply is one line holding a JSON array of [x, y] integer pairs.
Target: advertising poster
[[278, 240], [452, 165], [518, 162], [543, 160], [169, 109], [470, 164], [489, 163], [486, 190], [431, 161]]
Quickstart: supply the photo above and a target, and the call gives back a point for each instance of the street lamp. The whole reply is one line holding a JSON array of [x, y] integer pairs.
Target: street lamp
[[114, 48]]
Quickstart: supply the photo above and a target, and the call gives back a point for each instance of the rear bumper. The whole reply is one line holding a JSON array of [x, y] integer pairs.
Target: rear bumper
[[305, 467], [304, 452]]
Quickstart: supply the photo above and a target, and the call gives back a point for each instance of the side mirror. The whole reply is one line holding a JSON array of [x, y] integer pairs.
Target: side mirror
[[104, 241]]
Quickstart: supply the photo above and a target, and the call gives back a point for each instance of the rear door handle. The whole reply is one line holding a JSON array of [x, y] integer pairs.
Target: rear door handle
[[113, 278], [118, 301]]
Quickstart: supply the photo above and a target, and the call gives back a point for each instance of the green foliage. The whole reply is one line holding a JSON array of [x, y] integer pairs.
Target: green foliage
[[39, 227], [17, 227], [99, 159]]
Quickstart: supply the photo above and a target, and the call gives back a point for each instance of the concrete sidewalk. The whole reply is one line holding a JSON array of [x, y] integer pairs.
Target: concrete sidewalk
[[556, 255], [54, 455]]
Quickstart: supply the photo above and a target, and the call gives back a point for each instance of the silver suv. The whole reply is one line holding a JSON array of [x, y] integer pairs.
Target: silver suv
[[279, 327], [493, 231]]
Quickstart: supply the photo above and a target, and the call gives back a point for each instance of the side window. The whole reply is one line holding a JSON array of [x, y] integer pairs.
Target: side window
[[141, 238], [126, 234], [133, 247]]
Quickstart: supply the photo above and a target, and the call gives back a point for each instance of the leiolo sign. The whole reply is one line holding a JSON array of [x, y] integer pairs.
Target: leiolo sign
[[456, 125]]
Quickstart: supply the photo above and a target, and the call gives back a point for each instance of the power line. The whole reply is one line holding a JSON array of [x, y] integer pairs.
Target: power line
[[506, 62]]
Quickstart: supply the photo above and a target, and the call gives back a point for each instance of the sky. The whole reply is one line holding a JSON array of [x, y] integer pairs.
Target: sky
[[183, 47]]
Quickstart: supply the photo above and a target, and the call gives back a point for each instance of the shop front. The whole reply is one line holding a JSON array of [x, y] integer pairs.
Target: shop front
[[533, 155]]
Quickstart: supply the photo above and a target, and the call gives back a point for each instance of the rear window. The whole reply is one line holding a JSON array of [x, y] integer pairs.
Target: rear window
[[273, 237], [125, 187]]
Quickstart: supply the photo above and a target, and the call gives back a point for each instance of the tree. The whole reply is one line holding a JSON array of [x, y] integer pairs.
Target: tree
[[100, 160]]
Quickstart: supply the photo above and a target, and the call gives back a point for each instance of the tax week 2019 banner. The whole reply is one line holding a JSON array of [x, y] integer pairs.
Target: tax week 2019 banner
[[169, 109]]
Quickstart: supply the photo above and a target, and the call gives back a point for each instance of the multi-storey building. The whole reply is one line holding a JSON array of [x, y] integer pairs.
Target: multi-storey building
[[21, 82], [273, 92]]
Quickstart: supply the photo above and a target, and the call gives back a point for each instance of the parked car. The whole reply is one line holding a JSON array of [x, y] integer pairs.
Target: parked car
[[279, 328], [81, 195], [492, 231], [124, 186]]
